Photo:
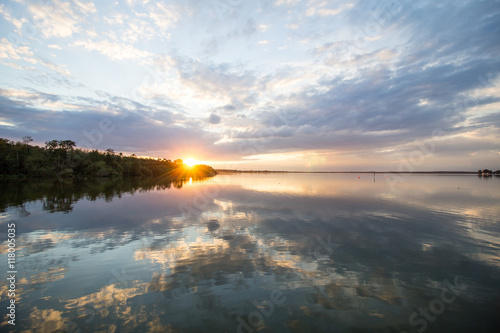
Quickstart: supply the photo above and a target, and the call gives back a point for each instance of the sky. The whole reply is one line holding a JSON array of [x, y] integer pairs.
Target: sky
[[302, 85]]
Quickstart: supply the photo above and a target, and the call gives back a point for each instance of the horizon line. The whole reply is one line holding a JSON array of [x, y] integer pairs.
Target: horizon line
[[375, 172]]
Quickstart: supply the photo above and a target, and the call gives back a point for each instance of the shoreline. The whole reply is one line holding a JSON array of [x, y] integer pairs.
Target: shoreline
[[221, 171]]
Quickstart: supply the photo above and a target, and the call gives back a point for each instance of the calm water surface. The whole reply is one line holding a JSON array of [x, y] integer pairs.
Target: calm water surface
[[256, 253]]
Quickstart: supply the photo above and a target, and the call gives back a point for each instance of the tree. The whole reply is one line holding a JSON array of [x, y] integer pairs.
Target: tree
[[67, 145], [62, 159], [58, 151], [27, 139]]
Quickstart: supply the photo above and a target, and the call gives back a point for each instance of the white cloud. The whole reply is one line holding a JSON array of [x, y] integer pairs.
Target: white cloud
[[41, 100], [286, 2], [4, 123], [264, 27], [54, 21], [140, 25], [10, 51], [164, 63], [19, 94], [60, 69], [328, 12], [133, 3], [318, 10], [116, 19], [91, 32], [87, 7], [164, 16], [7, 16], [137, 30], [17, 66], [60, 19], [114, 51]]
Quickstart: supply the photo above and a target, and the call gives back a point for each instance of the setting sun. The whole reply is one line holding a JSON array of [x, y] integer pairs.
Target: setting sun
[[190, 162]]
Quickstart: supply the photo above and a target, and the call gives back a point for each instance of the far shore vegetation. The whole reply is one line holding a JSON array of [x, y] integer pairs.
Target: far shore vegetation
[[485, 172], [62, 159]]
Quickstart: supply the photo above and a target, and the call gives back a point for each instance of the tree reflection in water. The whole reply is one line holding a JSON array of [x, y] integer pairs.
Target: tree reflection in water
[[61, 195]]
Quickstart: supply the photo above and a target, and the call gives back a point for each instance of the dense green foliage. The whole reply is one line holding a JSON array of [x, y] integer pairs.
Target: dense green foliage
[[61, 159]]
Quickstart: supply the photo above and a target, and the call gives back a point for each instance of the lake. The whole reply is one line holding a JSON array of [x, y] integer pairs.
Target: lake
[[255, 253]]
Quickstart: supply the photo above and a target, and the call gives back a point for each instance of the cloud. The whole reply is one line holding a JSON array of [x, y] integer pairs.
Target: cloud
[[199, 85], [113, 50], [264, 27], [286, 2], [5, 12], [28, 96], [11, 51], [364, 101], [323, 12], [136, 127], [378, 108], [129, 28], [57, 19], [491, 120], [164, 16], [214, 118], [85, 7], [220, 81], [136, 30]]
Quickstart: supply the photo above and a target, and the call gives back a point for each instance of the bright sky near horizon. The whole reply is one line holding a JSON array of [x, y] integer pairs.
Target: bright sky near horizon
[[277, 84]]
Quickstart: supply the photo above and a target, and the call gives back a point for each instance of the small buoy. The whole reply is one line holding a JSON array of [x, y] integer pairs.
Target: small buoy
[[359, 177]]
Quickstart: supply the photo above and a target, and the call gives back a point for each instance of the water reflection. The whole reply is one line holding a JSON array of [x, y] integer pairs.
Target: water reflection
[[277, 253], [60, 195]]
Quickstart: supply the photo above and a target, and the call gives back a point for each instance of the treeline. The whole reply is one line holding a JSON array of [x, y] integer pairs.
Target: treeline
[[488, 172], [62, 159]]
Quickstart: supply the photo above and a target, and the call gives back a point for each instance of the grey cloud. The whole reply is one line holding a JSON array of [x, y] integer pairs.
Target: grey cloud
[[385, 98], [492, 119], [214, 119], [247, 29], [222, 79], [134, 130], [33, 95], [382, 106]]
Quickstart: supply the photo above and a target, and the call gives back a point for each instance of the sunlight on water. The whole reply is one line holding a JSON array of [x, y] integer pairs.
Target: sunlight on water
[[257, 252]]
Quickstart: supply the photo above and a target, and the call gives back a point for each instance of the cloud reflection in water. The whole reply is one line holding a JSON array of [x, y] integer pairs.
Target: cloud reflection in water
[[347, 254]]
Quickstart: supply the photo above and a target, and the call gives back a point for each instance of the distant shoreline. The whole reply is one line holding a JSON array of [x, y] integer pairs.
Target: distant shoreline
[[220, 171]]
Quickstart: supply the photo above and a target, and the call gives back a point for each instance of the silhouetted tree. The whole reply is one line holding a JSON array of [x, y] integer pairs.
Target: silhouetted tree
[[61, 158]]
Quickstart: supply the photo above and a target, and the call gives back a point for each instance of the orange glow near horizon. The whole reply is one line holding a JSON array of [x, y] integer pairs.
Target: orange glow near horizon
[[190, 162]]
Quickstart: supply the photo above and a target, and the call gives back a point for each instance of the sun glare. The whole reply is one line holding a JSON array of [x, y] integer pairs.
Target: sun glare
[[190, 162]]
